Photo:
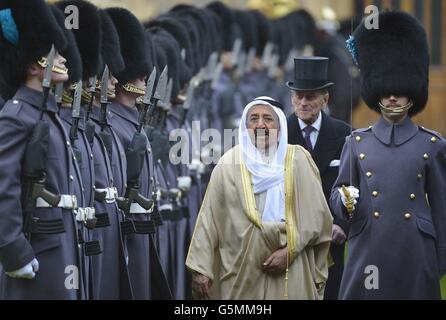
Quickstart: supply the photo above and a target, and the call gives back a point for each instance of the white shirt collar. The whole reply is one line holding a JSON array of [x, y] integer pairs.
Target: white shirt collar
[[317, 124]]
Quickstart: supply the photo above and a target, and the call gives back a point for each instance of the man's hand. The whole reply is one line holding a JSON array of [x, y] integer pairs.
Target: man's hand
[[200, 286], [338, 235], [276, 262], [26, 272]]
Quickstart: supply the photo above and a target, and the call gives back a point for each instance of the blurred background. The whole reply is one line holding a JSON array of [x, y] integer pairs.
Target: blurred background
[[335, 13]]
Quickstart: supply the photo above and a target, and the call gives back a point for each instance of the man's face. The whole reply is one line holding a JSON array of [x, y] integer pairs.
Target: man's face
[[263, 126], [308, 104], [139, 83]]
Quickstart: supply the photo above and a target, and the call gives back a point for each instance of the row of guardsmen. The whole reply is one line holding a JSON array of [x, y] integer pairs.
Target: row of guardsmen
[[92, 207]]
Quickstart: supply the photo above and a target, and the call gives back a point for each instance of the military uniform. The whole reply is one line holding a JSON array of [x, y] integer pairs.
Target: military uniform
[[52, 238], [31, 227], [401, 213], [397, 239]]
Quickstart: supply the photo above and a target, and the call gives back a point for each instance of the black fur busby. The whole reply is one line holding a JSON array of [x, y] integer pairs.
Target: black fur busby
[[282, 38], [227, 19], [133, 45], [393, 59], [163, 39], [196, 40], [151, 49], [201, 21], [264, 33], [111, 47], [177, 30], [216, 29], [71, 52], [161, 60], [248, 27], [27, 31], [88, 35]]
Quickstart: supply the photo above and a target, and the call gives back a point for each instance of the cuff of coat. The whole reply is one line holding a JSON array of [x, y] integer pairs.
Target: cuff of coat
[[16, 254]]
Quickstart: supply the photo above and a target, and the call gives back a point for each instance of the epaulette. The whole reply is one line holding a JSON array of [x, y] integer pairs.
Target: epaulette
[[362, 130], [435, 134]]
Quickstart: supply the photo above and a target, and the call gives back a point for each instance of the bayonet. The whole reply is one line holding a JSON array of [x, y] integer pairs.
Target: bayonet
[[267, 54], [250, 60], [76, 112], [168, 95], [217, 75], [104, 85], [211, 66], [236, 49], [160, 90], [46, 83], [147, 99], [104, 97], [91, 89]]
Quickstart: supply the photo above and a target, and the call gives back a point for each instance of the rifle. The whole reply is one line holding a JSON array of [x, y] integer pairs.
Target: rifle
[[34, 164]]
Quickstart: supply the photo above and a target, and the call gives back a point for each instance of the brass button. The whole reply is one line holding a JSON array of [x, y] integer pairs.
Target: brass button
[[362, 156], [412, 197], [433, 139], [419, 176], [375, 193], [376, 214], [358, 138], [368, 174], [407, 216], [426, 156]]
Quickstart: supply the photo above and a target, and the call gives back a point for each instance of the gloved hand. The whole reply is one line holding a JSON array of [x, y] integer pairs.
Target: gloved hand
[[184, 183], [197, 166], [26, 272], [354, 192]]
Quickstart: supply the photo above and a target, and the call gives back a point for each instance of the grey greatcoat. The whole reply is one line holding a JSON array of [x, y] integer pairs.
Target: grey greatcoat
[[57, 252], [398, 227]]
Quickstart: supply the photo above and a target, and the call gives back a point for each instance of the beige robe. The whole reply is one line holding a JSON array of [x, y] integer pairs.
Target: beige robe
[[230, 249]]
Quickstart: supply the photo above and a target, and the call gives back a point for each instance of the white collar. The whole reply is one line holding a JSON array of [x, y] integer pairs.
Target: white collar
[[317, 124]]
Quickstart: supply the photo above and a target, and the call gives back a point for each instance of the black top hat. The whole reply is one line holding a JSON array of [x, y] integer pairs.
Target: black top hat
[[310, 74]]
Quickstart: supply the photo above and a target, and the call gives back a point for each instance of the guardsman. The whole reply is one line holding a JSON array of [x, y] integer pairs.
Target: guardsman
[[111, 278], [392, 176], [40, 253], [144, 266]]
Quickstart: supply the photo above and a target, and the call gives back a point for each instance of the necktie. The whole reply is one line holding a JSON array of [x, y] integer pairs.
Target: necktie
[[307, 132]]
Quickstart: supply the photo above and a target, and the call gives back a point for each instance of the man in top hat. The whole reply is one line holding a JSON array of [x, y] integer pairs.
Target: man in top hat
[[394, 172], [39, 244], [324, 137]]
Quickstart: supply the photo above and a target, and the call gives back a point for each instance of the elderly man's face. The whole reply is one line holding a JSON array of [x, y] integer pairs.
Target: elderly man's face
[[308, 104], [263, 126]]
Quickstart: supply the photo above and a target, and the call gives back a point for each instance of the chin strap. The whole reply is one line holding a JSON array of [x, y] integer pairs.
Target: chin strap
[[395, 111]]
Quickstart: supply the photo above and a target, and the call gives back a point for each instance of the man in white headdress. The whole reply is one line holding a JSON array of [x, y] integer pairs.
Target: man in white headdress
[[264, 228]]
